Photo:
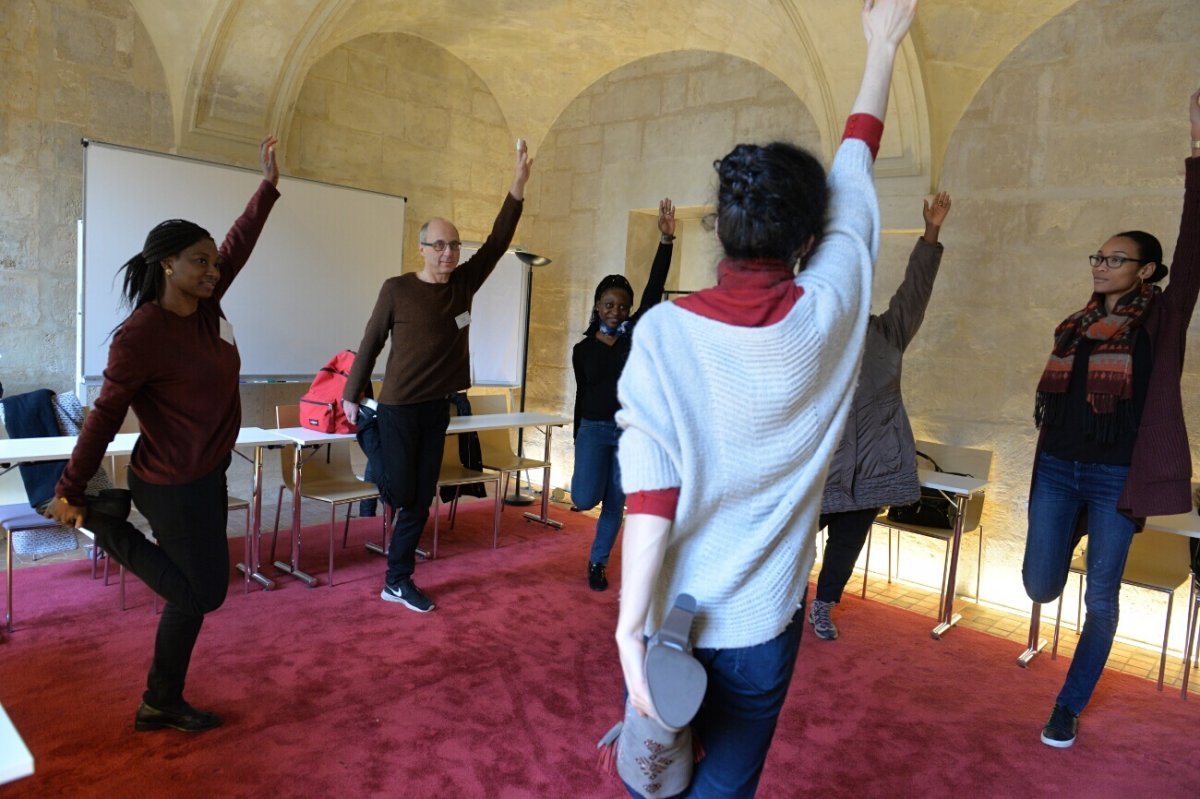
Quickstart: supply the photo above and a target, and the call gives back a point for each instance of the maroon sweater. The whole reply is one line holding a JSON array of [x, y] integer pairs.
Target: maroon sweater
[[429, 356], [178, 375]]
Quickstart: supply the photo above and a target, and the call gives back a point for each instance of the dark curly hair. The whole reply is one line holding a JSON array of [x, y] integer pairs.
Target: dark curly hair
[[771, 199], [1149, 251]]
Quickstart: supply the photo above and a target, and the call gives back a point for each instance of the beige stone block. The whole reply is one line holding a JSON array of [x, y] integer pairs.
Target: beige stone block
[[356, 108], [425, 127], [366, 71], [18, 26], [20, 140], [554, 193], [674, 96], [19, 200], [784, 122], [577, 114], [328, 149], [585, 191], [22, 300], [622, 142], [636, 99], [485, 108], [334, 66], [82, 38], [117, 109], [313, 100], [21, 89], [70, 95], [727, 84], [18, 247], [705, 134]]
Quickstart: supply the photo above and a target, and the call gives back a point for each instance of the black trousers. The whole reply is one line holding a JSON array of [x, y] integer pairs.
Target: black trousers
[[188, 567], [412, 438], [847, 534]]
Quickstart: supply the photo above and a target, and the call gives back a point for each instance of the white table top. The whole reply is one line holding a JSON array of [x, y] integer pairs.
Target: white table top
[[458, 424], [257, 436], [1181, 524], [950, 483], [55, 448], [15, 758]]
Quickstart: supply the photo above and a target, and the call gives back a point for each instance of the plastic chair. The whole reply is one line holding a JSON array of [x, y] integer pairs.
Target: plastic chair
[[965, 460], [328, 477], [1157, 561], [496, 445], [453, 473]]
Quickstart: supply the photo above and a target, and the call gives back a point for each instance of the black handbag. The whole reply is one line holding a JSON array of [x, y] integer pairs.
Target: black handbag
[[933, 509]]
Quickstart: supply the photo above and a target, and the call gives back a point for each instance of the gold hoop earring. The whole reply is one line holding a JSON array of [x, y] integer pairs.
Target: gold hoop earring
[[170, 271]]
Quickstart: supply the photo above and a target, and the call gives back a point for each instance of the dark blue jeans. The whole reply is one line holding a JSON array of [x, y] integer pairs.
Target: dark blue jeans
[[1061, 491], [411, 439], [597, 479], [735, 725]]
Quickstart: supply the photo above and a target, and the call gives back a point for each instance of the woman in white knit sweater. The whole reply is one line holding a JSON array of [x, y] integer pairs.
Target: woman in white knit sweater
[[733, 401]]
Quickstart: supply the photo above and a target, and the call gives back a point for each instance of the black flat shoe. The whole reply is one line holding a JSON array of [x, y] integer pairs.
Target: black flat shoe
[[188, 719]]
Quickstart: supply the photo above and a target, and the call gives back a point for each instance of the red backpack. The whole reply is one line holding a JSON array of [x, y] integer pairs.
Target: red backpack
[[321, 407]]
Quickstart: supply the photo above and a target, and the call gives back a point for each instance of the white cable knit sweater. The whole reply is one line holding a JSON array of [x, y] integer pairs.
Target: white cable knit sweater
[[744, 420]]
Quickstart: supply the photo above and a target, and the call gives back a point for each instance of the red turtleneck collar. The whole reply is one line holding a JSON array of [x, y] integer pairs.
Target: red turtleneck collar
[[749, 293]]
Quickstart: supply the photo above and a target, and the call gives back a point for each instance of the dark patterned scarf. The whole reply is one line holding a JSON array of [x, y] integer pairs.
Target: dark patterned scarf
[[1110, 365]]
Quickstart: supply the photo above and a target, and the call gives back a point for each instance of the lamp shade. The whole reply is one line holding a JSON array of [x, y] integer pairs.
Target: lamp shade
[[532, 259]]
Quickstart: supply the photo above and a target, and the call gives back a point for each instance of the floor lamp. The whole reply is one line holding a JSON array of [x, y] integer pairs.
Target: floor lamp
[[530, 260]]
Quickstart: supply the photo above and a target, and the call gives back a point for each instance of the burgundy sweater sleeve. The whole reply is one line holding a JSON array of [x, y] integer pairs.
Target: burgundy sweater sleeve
[[123, 378], [243, 235]]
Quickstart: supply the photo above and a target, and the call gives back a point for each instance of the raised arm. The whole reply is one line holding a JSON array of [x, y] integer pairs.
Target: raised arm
[[521, 171], [243, 235], [653, 292], [1180, 294], [885, 23], [906, 310]]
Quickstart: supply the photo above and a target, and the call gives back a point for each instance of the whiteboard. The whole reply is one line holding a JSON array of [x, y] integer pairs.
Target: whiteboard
[[497, 331], [305, 293]]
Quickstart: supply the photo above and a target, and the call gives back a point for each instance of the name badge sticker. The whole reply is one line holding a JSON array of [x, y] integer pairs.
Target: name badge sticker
[[463, 319], [227, 331]]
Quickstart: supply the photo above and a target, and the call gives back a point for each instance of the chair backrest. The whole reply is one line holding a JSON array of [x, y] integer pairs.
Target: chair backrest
[[1158, 560], [287, 416], [965, 460], [495, 445]]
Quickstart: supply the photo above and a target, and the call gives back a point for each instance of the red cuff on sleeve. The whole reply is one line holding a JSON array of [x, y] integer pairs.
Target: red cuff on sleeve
[[865, 127], [660, 502]]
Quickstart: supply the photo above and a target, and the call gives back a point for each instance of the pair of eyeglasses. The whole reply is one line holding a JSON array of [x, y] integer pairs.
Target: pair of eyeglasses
[[440, 246], [1111, 261]]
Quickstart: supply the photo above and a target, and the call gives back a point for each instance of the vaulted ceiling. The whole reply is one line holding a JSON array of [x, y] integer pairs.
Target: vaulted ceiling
[[235, 67]]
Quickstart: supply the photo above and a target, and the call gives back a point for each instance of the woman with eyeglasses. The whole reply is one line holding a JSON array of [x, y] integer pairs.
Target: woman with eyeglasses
[[1112, 447], [598, 360]]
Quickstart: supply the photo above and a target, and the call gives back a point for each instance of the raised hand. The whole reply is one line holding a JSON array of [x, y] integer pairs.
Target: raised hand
[[521, 171], [936, 212], [1194, 113], [266, 158], [886, 21], [666, 217]]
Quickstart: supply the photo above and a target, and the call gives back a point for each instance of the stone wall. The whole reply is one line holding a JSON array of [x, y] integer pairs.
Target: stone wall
[[396, 114], [71, 70]]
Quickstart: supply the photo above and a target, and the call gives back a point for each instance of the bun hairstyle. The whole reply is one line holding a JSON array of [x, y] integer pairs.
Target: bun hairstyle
[[770, 200], [1149, 250], [143, 280], [609, 282]]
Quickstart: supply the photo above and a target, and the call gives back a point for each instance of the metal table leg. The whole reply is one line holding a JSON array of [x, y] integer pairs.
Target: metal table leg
[[1034, 644], [293, 568], [250, 566], [949, 617], [544, 518]]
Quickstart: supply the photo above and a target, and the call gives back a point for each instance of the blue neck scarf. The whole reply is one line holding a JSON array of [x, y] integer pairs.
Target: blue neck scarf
[[620, 330]]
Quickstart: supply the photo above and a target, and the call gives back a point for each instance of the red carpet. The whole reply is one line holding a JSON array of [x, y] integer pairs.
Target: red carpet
[[504, 689]]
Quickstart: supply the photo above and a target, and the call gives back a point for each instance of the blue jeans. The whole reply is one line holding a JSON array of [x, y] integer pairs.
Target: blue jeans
[[735, 725], [597, 479], [1061, 491]]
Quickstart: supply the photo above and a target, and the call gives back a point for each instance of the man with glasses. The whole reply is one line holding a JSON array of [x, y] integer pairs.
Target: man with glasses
[[428, 316]]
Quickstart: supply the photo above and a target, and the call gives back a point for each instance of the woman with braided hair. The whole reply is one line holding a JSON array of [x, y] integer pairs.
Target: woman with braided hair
[[174, 361], [1112, 447], [598, 360], [732, 403]]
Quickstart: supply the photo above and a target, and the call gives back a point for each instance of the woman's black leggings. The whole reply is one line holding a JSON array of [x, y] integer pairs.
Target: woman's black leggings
[[188, 567]]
